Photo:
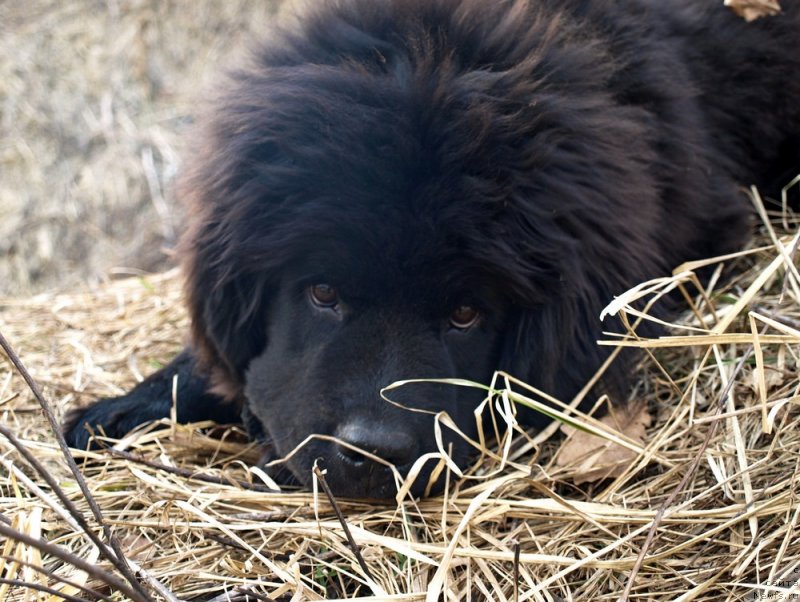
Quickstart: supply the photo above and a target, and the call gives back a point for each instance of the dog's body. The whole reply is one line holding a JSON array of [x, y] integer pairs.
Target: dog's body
[[441, 188]]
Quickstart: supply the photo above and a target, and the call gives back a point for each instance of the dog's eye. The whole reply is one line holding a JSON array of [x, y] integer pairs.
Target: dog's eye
[[324, 295], [464, 317]]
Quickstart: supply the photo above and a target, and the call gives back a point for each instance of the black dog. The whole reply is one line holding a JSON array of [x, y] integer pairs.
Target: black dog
[[405, 189]]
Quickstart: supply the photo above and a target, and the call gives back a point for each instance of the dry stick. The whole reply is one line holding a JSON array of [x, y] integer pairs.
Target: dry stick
[[241, 595], [226, 541], [109, 579], [54, 576], [785, 320], [684, 481], [41, 588], [51, 482], [59, 492], [117, 558], [516, 571], [350, 541], [190, 474], [78, 519]]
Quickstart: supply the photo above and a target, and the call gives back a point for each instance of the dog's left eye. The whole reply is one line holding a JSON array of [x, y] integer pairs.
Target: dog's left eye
[[324, 295], [464, 317]]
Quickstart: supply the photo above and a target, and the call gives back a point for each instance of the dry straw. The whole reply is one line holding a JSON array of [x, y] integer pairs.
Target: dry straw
[[704, 505]]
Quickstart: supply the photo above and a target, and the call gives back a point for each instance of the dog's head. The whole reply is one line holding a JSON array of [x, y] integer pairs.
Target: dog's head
[[375, 201]]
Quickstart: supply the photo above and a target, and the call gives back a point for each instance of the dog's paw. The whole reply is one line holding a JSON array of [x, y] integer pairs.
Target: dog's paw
[[113, 417]]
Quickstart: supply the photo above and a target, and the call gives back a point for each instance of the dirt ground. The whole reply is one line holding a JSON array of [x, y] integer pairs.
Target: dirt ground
[[95, 98]]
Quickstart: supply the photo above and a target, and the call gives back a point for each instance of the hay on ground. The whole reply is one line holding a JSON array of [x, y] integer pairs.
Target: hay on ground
[[717, 473]]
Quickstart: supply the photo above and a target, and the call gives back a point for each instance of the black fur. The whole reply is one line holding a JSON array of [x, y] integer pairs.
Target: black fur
[[529, 159]]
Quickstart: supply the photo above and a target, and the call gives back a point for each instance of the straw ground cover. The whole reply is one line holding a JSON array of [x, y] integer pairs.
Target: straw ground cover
[[695, 497]]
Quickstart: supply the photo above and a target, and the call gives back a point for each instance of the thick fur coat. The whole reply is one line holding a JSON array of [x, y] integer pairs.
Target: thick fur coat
[[399, 189]]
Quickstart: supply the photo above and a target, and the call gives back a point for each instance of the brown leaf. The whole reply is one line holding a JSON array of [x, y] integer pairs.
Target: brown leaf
[[589, 458], [773, 378], [750, 10]]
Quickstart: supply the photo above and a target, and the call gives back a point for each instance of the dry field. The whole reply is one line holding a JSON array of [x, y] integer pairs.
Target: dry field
[[94, 98]]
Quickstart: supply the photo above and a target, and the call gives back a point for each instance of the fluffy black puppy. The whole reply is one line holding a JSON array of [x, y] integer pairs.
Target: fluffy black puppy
[[405, 189]]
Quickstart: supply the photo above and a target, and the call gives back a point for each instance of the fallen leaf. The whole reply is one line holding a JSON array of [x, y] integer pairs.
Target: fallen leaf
[[750, 10], [589, 458], [773, 378]]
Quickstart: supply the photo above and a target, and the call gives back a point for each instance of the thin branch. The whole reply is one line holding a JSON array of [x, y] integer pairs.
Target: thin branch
[[516, 570], [190, 474], [242, 595], [41, 588], [109, 579], [55, 576], [57, 490], [117, 558], [685, 480], [350, 541]]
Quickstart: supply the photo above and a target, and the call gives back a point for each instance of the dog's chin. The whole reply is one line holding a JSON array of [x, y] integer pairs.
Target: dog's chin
[[369, 480]]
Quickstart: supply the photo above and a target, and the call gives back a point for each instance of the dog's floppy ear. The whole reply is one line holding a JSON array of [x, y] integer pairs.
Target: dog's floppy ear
[[228, 322], [235, 321], [226, 281]]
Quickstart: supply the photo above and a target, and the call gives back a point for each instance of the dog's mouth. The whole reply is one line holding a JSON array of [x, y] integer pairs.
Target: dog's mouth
[[370, 451], [352, 472]]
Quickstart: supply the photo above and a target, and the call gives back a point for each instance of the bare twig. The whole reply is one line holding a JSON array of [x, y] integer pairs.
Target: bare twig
[[117, 558], [516, 570], [41, 588], [55, 576], [350, 541], [109, 579], [241, 595], [690, 471], [190, 474]]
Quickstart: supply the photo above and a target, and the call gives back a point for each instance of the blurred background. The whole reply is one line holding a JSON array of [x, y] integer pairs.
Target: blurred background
[[95, 98]]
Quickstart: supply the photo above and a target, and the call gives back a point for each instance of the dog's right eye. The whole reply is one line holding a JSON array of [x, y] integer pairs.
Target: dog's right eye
[[324, 295], [464, 317]]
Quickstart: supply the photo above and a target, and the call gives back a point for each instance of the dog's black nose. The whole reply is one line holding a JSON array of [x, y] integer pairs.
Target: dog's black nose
[[390, 444]]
